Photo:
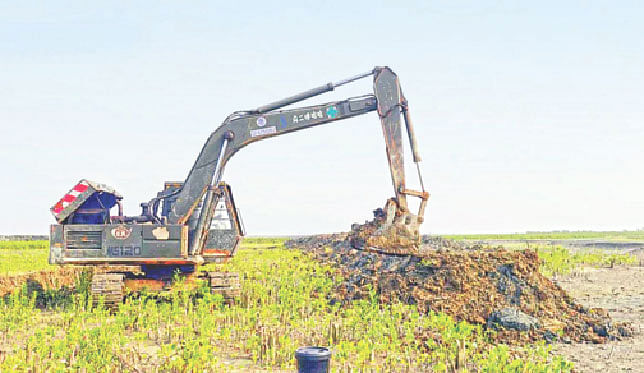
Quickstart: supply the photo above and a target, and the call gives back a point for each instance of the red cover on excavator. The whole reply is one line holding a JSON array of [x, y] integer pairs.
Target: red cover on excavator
[[76, 196]]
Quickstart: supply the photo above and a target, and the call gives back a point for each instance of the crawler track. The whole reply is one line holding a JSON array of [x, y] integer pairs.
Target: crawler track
[[225, 283], [110, 287]]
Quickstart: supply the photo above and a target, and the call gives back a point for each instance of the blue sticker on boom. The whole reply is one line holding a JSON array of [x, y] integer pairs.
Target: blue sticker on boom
[[332, 112]]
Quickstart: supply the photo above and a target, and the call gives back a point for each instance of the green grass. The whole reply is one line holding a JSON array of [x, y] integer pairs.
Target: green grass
[[573, 235], [23, 256], [284, 304], [559, 260], [21, 245], [261, 242]]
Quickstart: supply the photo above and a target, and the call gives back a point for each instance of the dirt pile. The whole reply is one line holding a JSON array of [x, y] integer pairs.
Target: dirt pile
[[503, 290]]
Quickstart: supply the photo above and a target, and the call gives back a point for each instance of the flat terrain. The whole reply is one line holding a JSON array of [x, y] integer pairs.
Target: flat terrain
[[284, 304], [619, 290], [287, 300], [615, 236]]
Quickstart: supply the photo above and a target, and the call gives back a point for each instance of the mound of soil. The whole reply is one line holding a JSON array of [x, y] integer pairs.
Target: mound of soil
[[503, 290]]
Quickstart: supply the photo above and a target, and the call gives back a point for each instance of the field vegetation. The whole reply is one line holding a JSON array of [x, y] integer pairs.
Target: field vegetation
[[558, 260], [24, 245], [283, 305], [637, 235], [23, 256]]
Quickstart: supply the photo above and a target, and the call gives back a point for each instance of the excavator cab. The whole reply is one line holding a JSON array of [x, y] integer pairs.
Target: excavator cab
[[226, 228]]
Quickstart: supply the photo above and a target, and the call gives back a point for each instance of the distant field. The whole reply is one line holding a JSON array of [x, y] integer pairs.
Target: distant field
[[23, 256], [24, 245], [261, 242], [560, 260], [26, 256], [574, 235]]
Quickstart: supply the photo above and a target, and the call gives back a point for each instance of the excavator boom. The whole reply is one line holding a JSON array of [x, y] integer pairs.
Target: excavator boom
[[240, 131], [243, 128]]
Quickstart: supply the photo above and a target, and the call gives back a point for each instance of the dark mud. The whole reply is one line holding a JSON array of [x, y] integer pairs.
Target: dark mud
[[501, 290]]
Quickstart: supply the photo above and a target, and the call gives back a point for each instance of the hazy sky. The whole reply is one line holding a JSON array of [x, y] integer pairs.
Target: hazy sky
[[528, 117]]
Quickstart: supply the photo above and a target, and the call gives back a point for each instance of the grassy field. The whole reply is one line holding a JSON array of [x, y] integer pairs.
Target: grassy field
[[284, 304], [573, 235], [23, 256], [559, 260]]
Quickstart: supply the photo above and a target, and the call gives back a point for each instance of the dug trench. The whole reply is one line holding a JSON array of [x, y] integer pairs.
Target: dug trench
[[502, 290]]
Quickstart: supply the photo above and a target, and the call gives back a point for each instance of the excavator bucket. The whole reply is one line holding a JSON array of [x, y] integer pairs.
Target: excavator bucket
[[387, 233]]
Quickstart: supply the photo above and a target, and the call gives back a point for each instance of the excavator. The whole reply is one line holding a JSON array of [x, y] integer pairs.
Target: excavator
[[194, 222]]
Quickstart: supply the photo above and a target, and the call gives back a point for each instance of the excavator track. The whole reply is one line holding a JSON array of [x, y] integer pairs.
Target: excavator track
[[110, 287], [225, 283]]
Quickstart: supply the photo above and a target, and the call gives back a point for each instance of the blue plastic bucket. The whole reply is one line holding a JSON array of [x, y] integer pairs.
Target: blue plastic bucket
[[313, 359]]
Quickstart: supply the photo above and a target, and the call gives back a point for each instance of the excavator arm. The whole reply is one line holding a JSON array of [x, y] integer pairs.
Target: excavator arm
[[240, 132], [243, 128]]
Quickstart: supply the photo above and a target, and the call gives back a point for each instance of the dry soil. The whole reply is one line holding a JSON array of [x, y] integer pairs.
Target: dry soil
[[620, 291]]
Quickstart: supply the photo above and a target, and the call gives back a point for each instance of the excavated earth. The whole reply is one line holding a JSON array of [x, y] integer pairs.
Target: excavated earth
[[502, 290]]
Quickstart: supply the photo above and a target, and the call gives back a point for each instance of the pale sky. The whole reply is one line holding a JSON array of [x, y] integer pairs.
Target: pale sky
[[529, 116]]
